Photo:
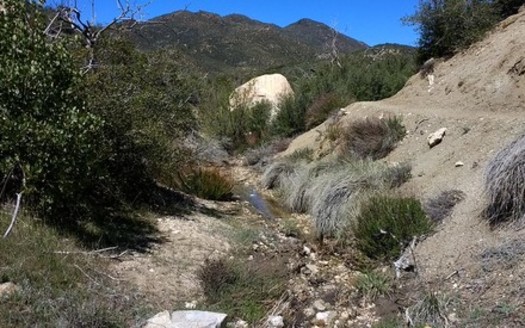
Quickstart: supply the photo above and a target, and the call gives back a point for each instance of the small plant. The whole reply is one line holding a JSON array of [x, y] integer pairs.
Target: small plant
[[206, 183], [441, 206], [373, 284], [306, 154], [430, 310], [373, 138], [505, 184], [242, 289], [290, 228], [386, 224]]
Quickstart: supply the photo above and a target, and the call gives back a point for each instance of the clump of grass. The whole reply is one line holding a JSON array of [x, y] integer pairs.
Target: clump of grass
[[207, 183], [386, 224], [430, 310], [504, 256], [58, 289], [373, 138], [275, 173], [305, 154], [505, 184], [373, 284], [242, 289], [441, 206], [389, 323]]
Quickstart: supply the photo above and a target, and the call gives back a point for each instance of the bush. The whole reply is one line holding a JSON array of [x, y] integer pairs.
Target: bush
[[47, 134], [441, 206], [290, 120], [505, 184], [321, 108], [242, 289], [386, 224], [451, 25], [373, 138], [206, 183]]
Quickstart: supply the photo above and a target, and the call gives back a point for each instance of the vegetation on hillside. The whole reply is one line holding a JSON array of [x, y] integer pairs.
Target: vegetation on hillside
[[447, 26]]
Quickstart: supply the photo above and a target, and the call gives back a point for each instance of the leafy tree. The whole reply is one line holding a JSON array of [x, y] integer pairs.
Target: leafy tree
[[447, 26], [47, 135]]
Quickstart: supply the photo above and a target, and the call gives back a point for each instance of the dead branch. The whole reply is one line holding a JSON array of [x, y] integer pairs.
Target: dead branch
[[18, 202], [94, 252]]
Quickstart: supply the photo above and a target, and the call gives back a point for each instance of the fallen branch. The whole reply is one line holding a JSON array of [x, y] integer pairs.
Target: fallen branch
[[15, 215], [95, 252]]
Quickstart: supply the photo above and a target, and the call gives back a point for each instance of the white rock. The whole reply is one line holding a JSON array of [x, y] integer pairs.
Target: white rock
[[276, 321], [7, 289], [324, 317], [270, 87], [309, 312], [435, 138], [238, 324], [306, 250], [186, 319], [319, 305], [190, 305], [313, 268], [459, 164]]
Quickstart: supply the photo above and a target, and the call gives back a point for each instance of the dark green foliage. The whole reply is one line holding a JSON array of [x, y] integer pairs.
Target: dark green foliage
[[373, 138], [447, 26], [321, 109], [206, 183], [242, 289], [46, 131], [146, 106], [239, 128], [290, 120], [386, 224]]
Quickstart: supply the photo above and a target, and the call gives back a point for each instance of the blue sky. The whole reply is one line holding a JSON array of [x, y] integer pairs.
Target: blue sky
[[370, 21]]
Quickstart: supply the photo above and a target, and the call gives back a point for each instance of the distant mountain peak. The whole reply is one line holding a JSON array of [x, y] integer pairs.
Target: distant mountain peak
[[219, 43]]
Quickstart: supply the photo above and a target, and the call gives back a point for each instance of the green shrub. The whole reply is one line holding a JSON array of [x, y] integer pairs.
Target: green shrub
[[47, 133], [373, 138], [373, 284], [290, 120], [206, 183], [385, 225], [451, 25], [243, 127], [321, 108], [242, 289]]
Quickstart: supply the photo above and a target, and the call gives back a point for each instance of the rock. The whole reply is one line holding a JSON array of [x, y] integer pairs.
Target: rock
[[459, 164], [319, 305], [324, 318], [270, 87], [238, 324], [309, 312], [190, 305], [275, 321], [186, 319], [435, 138], [313, 268], [8, 289]]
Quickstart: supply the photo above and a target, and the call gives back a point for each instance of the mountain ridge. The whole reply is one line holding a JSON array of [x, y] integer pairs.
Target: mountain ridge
[[235, 41]]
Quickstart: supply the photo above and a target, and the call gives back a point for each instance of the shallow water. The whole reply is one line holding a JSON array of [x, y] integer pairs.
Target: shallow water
[[251, 195]]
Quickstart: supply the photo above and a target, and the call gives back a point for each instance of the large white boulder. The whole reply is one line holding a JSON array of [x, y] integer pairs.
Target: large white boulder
[[271, 88]]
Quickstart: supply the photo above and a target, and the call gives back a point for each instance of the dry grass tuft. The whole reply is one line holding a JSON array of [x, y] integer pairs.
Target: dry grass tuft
[[373, 138], [505, 184], [440, 207], [209, 183]]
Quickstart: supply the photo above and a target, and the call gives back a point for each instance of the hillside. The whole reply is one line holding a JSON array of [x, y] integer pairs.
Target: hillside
[[218, 43], [478, 95]]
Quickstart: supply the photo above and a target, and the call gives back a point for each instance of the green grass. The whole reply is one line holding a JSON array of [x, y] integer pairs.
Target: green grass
[[243, 289], [206, 183], [373, 284], [60, 289], [386, 224]]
